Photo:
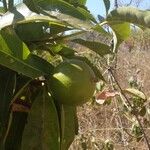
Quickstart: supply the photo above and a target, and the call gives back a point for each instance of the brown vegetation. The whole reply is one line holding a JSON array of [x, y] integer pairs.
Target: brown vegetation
[[98, 123]]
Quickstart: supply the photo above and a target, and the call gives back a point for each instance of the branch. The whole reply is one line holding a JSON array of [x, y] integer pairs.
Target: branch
[[129, 3], [128, 101]]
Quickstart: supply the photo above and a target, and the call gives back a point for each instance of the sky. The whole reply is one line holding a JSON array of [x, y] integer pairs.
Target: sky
[[96, 7]]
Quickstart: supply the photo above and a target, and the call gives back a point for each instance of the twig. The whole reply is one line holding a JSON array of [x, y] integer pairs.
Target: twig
[[119, 118], [126, 98]]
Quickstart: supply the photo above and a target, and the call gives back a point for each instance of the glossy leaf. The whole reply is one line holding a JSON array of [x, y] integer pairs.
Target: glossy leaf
[[101, 30], [131, 15], [68, 126], [58, 7], [42, 131], [80, 6], [99, 48], [22, 14], [121, 32], [135, 92], [39, 31], [87, 14], [66, 51], [31, 5], [65, 12], [15, 55], [62, 50], [62, 18], [76, 34]]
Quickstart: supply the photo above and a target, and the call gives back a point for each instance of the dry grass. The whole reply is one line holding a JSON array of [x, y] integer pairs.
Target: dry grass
[[97, 123]]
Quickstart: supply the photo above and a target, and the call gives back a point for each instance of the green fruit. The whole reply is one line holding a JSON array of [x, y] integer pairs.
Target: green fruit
[[73, 82]]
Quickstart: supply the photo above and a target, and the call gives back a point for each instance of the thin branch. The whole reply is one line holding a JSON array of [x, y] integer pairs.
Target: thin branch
[[119, 118], [135, 114], [129, 3]]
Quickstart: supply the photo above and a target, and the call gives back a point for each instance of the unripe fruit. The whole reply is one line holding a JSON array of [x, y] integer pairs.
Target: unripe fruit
[[73, 82]]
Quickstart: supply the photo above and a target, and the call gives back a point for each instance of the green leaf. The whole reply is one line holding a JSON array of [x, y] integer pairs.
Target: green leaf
[[65, 12], [62, 50], [11, 44], [99, 29], [66, 51], [39, 64], [58, 7], [121, 32], [131, 15], [31, 5], [62, 18], [135, 92], [68, 126], [82, 2], [76, 33], [80, 6], [15, 55], [39, 31], [42, 131], [99, 48], [107, 5], [87, 14], [22, 14]]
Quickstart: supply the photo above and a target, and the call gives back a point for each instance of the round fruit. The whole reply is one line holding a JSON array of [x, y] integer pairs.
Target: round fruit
[[73, 82]]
